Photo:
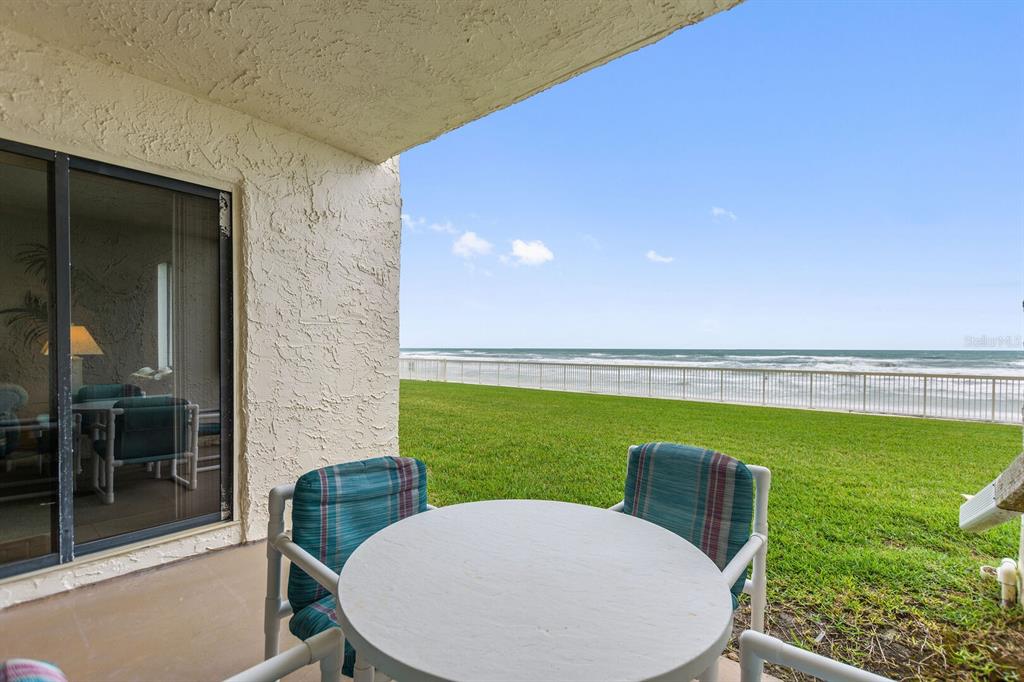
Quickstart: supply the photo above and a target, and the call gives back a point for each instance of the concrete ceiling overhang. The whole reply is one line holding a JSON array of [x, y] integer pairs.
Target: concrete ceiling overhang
[[372, 78]]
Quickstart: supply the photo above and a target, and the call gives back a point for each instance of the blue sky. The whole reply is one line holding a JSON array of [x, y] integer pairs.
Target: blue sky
[[782, 175]]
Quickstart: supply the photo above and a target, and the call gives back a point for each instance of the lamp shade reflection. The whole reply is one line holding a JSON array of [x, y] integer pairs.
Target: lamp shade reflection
[[82, 342]]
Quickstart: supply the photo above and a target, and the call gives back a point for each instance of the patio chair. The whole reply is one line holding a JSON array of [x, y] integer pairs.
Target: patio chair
[[146, 431], [334, 510], [40, 445], [103, 392], [708, 499], [91, 422], [757, 648]]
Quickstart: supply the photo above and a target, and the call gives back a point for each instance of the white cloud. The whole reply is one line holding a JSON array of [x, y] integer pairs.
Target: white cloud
[[719, 212], [470, 245], [656, 257], [446, 227], [412, 224], [529, 253]]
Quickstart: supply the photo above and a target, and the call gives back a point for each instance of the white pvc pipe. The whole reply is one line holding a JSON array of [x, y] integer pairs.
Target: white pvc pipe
[[317, 647], [756, 648], [1006, 574], [738, 565], [1020, 558], [307, 562], [275, 608]]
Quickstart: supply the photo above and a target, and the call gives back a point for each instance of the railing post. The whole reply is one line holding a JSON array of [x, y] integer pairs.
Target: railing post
[[864, 396], [684, 382], [993, 398], [618, 380], [924, 399], [649, 389], [721, 386], [519, 373], [540, 381], [565, 370], [810, 402], [499, 374], [764, 386], [590, 378], [445, 370]]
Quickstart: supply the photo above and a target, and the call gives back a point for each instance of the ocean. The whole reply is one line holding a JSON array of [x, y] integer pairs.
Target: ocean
[[970, 362]]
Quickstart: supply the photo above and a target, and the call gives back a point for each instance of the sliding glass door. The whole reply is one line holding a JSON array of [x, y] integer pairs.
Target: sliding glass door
[[28, 462], [118, 427]]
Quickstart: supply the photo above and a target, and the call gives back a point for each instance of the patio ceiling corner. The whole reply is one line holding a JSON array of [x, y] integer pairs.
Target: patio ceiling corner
[[373, 79]]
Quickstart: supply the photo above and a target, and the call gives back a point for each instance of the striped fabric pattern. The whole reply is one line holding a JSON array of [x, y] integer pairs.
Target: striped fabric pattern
[[316, 618], [701, 495], [335, 509], [28, 670]]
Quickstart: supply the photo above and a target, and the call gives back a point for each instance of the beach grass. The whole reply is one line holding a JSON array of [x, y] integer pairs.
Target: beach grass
[[866, 563]]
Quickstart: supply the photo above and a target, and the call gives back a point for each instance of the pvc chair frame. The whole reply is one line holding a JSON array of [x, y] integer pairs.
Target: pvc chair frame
[[276, 607], [103, 466], [756, 648], [323, 647]]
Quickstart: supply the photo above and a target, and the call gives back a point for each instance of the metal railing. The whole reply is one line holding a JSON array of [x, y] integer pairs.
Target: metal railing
[[943, 396]]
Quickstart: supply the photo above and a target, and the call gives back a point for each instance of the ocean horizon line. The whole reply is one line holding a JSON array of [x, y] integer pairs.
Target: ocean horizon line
[[723, 349], [982, 361]]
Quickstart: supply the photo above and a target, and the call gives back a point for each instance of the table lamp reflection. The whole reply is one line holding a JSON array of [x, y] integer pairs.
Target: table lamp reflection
[[82, 343]]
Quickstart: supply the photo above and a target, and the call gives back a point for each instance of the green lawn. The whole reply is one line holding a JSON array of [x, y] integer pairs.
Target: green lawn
[[866, 561]]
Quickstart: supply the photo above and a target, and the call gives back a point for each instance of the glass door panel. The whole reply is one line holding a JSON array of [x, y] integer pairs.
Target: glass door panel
[[28, 471], [145, 342]]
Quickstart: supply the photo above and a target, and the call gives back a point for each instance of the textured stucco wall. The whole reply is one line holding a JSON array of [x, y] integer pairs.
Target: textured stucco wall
[[317, 246]]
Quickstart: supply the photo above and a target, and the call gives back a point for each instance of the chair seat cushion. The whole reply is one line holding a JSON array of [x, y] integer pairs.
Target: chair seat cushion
[[316, 618]]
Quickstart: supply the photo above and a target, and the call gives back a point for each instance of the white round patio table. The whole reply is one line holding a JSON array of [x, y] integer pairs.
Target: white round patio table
[[532, 590]]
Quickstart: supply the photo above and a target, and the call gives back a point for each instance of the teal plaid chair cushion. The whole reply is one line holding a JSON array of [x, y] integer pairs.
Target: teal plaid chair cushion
[[334, 510], [701, 495], [316, 618], [107, 392]]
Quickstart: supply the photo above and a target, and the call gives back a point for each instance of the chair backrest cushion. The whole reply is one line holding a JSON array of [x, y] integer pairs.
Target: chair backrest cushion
[[103, 392], [335, 509], [150, 427], [29, 670], [701, 495], [107, 392]]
